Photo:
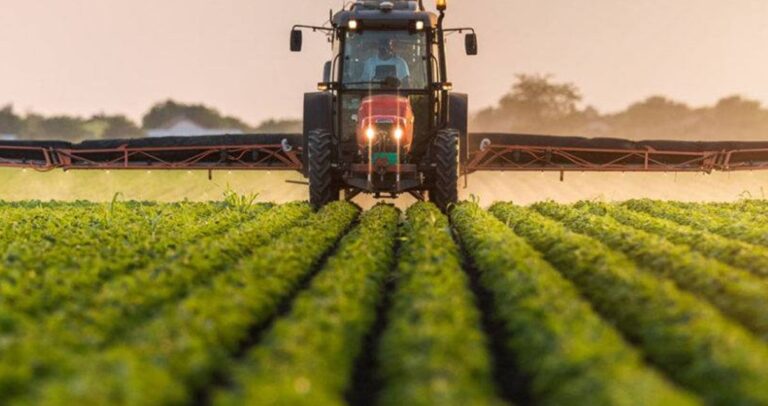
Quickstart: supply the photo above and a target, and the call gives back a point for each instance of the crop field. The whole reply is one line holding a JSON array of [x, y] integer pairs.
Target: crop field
[[243, 303]]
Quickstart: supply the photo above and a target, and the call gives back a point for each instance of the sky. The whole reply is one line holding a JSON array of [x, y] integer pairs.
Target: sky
[[121, 56]]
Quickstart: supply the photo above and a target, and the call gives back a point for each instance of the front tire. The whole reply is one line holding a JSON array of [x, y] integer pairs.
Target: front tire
[[445, 190], [322, 188]]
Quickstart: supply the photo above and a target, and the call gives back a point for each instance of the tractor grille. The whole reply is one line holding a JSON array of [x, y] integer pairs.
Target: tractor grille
[[384, 140], [384, 129]]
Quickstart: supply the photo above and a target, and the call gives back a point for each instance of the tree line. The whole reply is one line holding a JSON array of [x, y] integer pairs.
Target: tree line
[[536, 104], [34, 126]]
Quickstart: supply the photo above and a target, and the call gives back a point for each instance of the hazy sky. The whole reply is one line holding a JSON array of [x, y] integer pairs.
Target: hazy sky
[[88, 56]]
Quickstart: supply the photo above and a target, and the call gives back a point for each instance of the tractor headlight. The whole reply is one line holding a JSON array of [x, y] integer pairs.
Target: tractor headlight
[[398, 133], [352, 25], [370, 132], [419, 25]]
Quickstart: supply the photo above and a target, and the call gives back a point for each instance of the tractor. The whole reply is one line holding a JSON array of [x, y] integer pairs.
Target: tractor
[[384, 120]]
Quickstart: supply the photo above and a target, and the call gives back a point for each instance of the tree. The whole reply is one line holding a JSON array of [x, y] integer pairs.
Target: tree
[[656, 117], [115, 127], [163, 113], [737, 117], [58, 127], [10, 123], [536, 104]]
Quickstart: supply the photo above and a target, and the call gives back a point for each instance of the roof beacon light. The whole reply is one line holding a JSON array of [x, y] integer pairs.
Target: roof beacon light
[[442, 5], [419, 25], [352, 25]]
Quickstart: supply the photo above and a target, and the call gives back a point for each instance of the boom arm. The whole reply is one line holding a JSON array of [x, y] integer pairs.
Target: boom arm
[[520, 152], [485, 152], [225, 152]]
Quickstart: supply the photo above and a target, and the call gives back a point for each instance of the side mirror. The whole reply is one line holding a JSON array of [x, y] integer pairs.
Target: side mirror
[[297, 39], [470, 44], [327, 72]]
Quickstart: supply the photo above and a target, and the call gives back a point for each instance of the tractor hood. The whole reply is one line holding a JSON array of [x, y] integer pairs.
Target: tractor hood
[[380, 117], [384, 106]]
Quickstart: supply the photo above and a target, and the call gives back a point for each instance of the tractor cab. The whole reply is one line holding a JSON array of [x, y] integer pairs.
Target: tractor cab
[[383, 104]]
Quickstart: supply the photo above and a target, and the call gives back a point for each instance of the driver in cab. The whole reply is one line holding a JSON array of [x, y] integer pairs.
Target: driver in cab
[[386, 64]]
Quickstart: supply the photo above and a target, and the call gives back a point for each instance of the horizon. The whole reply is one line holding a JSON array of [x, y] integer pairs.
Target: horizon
[[695, 52]]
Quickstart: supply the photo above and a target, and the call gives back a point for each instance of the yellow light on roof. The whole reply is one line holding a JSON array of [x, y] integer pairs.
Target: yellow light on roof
[[442, 5], [352, 24]]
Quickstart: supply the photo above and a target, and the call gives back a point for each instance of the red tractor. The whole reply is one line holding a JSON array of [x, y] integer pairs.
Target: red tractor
[[384, 121]]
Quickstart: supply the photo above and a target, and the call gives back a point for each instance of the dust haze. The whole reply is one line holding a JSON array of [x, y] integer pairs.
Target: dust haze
[[519, 187]]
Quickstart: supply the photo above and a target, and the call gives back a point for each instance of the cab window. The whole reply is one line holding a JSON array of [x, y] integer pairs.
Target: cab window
[[379, 59]]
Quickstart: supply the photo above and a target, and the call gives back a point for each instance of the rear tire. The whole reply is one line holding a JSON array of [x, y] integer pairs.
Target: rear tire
[[445, 190], [322, 188]]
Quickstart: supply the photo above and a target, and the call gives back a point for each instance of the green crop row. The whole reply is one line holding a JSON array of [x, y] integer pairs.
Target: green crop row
[[737, 213], [737, 293], [571, 355], [53, 345], [30, 301], [433, 351], [684, 336], [33, 231], [136, 296], [28, 292], [62, 204], [82, 263], [753, 258], [742, 231], [82, 240], [182, 348], [35, 234], [755, 206], [308, 356], [32, 294]]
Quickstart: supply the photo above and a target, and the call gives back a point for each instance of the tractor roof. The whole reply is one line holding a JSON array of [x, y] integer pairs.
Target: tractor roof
[[385, 14]]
